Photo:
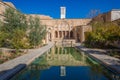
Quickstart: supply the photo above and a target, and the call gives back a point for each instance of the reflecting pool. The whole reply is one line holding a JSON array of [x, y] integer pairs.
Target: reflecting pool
[[65, 63]]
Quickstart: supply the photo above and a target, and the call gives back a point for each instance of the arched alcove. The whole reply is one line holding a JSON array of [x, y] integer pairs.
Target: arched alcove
[[56, 34]]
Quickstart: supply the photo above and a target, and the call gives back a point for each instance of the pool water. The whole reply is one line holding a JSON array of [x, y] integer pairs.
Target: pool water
[[65, 63]]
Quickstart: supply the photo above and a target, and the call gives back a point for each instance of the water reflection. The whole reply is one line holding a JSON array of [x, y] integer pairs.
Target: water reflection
[[64, 63], [59, 56], [62, 71]]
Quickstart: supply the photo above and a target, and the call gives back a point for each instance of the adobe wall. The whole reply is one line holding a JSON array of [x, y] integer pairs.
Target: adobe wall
[[57, 29]]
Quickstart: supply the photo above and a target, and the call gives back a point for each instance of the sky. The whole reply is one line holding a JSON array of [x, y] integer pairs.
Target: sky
[[74, 8]]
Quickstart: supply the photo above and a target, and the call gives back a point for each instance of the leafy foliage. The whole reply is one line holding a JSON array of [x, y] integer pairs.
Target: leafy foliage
[[37, 31], [18, 32], [14, 29], [102, 34]]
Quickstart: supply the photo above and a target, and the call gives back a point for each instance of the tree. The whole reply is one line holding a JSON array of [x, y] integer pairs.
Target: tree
[[93, 13], [37, 31], [19, 32], [103, 34], [15, 26]]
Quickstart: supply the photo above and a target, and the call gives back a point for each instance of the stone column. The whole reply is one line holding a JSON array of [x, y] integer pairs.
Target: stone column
[[61, 34], [82, 38], [75, 34], [53, 35], [69, 34]]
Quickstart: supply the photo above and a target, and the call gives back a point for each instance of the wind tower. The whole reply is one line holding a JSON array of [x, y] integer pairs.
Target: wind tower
[[63, 12]]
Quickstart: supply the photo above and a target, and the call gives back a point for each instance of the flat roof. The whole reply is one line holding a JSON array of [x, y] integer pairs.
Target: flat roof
[[115, 10]]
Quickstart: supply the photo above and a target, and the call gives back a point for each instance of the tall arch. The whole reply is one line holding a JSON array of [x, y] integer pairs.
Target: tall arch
[[56, 34], [64, 34], [71, 34]]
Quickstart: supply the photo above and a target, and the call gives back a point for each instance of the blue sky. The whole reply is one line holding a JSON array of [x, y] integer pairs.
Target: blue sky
[[74, 8]]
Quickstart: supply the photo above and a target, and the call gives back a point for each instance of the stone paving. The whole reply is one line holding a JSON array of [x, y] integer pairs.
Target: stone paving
[[10, 68], [111, 63]]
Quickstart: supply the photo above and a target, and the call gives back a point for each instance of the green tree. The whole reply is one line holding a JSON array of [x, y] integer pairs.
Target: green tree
[[103, 34], [37, 31], [15, 26]]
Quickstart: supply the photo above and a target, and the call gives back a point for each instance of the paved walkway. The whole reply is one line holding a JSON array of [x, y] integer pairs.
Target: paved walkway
[[9, 68], [108, 61]]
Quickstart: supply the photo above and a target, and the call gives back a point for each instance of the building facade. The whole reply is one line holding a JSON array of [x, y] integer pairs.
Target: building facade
[[112, 15], [58, 30]]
